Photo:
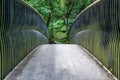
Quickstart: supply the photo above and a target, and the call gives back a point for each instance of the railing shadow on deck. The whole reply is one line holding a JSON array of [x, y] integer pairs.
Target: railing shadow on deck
[[21, 30], [97, 28]]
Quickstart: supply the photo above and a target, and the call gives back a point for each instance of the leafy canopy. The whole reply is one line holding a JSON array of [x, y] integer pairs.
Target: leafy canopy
[[59, 15]]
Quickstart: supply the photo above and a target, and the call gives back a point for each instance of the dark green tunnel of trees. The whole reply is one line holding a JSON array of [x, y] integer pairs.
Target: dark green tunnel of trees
[[95, 26], [59, 15]]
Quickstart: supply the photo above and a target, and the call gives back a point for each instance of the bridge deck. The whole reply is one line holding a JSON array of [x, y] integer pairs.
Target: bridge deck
[[59, 62]]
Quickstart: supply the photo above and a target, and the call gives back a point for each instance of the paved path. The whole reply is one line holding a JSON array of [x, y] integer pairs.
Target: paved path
[[59, 62]]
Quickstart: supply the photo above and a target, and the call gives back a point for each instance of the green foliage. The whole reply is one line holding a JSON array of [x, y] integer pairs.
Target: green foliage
[[59, 15]]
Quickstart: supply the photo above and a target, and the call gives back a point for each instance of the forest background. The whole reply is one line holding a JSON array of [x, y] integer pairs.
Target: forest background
[[59, 15]]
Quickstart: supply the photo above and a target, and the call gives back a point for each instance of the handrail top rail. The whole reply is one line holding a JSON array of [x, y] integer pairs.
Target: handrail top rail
[[30, 7], [92, 4]]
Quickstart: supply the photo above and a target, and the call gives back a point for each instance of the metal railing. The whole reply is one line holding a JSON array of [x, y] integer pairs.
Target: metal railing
[[21, 30], [97, 28]]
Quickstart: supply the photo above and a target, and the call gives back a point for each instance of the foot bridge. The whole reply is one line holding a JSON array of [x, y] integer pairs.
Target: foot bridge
[[93, 52]]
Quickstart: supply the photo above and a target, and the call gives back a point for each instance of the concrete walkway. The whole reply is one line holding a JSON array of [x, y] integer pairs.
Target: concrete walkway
[[59, 62]]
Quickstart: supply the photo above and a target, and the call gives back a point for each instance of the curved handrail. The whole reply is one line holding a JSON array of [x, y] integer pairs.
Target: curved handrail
[[87, 8], [97, 28], [30, 7], [34, 10], [22, 29]]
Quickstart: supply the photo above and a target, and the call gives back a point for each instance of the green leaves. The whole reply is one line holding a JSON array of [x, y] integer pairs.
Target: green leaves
[[60, 14]]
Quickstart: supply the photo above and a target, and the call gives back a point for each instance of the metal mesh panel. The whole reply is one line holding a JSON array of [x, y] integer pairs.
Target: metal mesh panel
[[21, 30], [97, 28]]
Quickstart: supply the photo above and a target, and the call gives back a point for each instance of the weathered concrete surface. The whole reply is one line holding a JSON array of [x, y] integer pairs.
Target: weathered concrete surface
[[59, 62]]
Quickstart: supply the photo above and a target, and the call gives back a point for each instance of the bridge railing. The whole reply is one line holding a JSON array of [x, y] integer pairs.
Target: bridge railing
[[21, 30], [97, 28]]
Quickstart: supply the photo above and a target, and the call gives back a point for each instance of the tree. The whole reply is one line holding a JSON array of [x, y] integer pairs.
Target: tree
[[59, 15]]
